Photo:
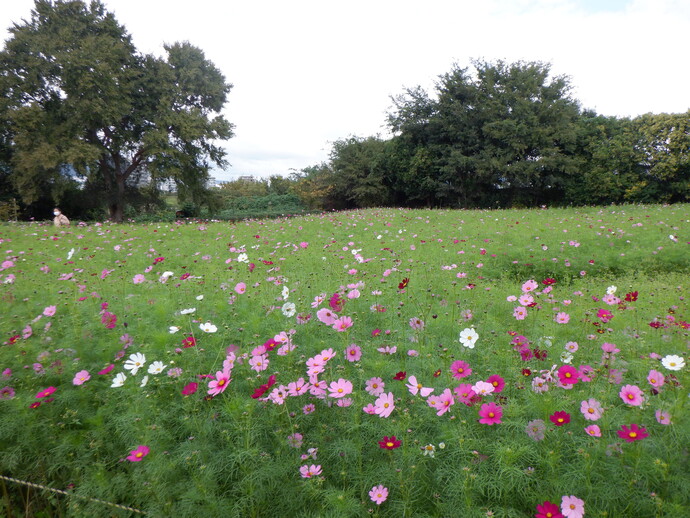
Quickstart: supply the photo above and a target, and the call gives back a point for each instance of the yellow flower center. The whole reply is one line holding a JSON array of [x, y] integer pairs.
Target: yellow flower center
[[590, 410], [221, 382], [491, 414], [390, 444], [340, 390], [560, 419], [139, 455], [633, 435]]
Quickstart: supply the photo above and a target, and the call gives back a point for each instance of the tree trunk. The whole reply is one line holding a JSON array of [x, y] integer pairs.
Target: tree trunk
[[117, 207]]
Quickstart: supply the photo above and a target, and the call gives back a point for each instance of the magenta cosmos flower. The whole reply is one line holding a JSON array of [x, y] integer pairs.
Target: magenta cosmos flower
[[460, 369], [498, 382], [631, 395], [490, 413], [632, 433], [46, 392], [568, 375], [378, 494], [219, 384], [138, 454], [190, 388], [548, 510], [560, 418]]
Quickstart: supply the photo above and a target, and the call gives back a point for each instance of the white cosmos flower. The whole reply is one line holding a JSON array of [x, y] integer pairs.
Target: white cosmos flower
[[187, 311], [468, 337], [611, 290], [285, 293], [119, 380], [156, 367], [243, 258], [199, 297], [289, 309], [136, 361], [70, 254], [173, 329], [673, 362], [165, 276], [566, 357], [144, 381], [208, 327]]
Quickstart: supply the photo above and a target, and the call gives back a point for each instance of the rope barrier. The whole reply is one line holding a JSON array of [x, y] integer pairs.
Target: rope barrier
[[60, 491]]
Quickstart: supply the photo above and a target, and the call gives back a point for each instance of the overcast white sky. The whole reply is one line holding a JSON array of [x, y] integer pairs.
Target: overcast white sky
[[307, 73]]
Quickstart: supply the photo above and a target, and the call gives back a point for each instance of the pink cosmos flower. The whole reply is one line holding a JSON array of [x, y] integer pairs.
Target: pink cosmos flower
[[662, 417], [384, 405], [562, 317], [526, 299], [218, 385], [81, 377], [369, 409], [591, 409], [378, 494], [572, 507], [240, 288], [465, 393], [417, 388], [308, 409], [656, 379], [460, 369], [593, 430], [519, 313], [138, 278], [490, 413], [342, 324], [297, 388], [340, 388], [604, 315], [483, 388], [375, 386], [138, 454], [49, 311], [631, 395], [353, 353], [324, 356], [530, 285], [445, 401], [259, 363], [107, 369], [310, 471], [568, 375]]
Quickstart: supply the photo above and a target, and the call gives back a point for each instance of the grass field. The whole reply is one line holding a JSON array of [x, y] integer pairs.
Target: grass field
[[392, 362]]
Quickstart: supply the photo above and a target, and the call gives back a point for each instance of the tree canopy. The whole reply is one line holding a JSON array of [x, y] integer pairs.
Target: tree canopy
[[80, 103]]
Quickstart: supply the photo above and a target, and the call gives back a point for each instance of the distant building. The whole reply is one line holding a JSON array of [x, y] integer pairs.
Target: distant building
[[247, 178]]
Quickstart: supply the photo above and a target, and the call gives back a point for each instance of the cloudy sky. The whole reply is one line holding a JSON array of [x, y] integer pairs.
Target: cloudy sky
[[307, 73]]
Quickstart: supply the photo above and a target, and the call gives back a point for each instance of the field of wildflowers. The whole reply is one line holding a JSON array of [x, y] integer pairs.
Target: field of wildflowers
[[392, 363]]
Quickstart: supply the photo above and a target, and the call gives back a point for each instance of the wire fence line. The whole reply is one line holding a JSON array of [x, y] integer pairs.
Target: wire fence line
[[67, 493]]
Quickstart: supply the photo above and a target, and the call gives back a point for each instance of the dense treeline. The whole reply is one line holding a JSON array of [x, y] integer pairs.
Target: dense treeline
[[89, 123]]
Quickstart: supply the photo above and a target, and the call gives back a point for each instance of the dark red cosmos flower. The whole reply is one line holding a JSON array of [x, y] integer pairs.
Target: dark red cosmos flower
[[403, 284], [526, 372], [437, 373], [13, 339], [184, 276], [158, 260], [560, 418], [548, 281], [190, 341], [400, 376], [631, 297], [389, 443], [35, 404], [263, 388], [656, 324]]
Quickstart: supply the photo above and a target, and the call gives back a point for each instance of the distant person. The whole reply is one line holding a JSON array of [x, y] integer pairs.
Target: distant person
[[60, 220]]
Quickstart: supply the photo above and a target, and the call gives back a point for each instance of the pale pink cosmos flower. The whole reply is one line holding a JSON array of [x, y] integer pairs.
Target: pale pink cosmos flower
[[591, 409], [526, 299], [81, 377], [530, 285], [369, 409], [416, 323], [49, 311], [663, 417], [310, 471], [297, 388], [387, 349], [519, 313], [631, 395], [417, 388], [572, 507], [138, 278], [340, 388], [325, 355], [571, 347], [384, 405], [326, 316], [482, 388], [259, 363], [375, 386], [562, 317], [378, 494]]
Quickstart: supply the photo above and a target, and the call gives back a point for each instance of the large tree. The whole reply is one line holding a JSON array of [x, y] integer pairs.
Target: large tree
[[80, 99], [499, 133]]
